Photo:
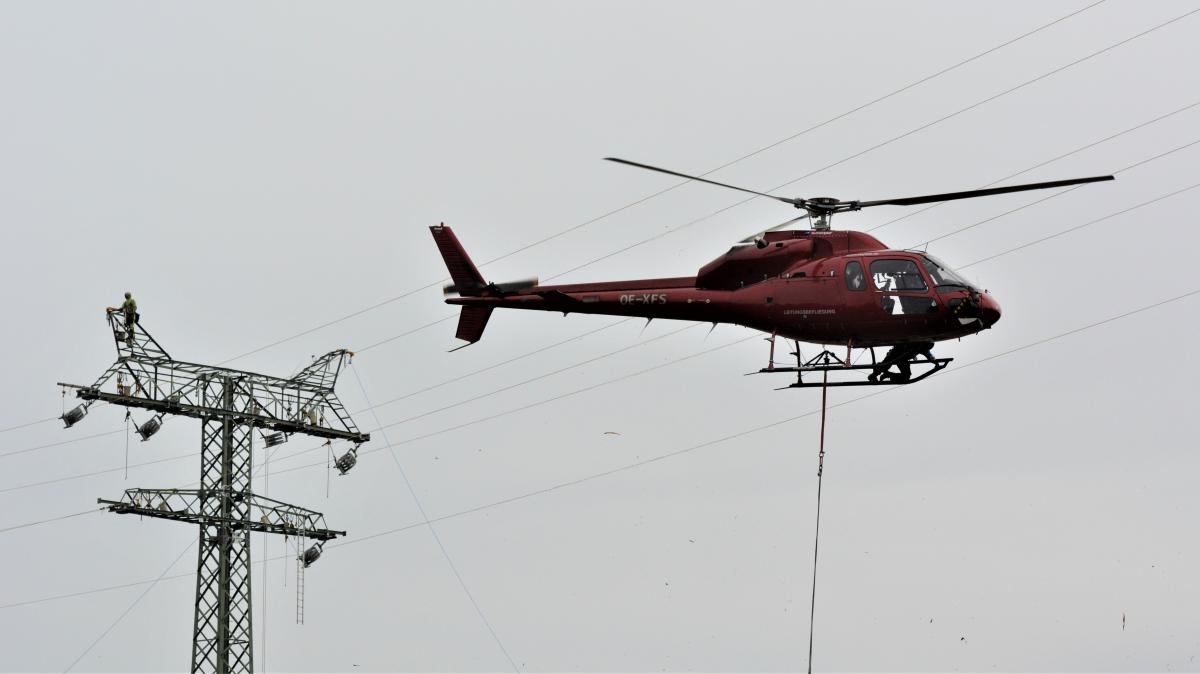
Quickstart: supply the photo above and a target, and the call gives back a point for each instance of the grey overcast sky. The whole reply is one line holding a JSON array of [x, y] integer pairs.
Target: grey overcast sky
[[254, 170]]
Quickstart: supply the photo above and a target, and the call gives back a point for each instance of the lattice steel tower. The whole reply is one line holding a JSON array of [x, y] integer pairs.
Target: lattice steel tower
[[232, 406]]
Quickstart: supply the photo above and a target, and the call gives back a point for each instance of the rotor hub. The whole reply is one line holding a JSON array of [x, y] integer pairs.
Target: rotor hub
[[822, 204]]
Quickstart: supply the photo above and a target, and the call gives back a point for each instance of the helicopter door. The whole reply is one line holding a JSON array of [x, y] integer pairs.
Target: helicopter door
[[901, 288]]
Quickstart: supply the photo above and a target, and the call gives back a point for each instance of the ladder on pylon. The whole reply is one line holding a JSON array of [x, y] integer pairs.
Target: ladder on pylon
[[299, 590]]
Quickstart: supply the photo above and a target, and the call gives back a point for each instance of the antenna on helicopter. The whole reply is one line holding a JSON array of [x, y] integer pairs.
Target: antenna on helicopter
[[821, 209]]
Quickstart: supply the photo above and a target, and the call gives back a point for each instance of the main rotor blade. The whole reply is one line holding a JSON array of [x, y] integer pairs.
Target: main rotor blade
[[794, 202], [753, 237], [951, 196]]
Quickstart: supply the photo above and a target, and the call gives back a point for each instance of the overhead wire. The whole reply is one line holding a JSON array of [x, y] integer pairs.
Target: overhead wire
[[530, 380], [27, 424], [286, 457], [927, 125], [527, 406], [757, 429], [1081, 226], [315, 448], [433, 531], [14, 527], [1026, 245], [493, 366], [445, 382], [727, 164], [1052, 196], [658, 458], [427, 521], [1165, 196], [730, 163], [1040, 77], [126, 612], [644, 199], [1044, 163], [94, 473], [547, 400], [60, 443], [499, 390]]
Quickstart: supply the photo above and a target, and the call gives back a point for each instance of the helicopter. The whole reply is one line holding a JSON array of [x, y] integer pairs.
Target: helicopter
[[819, 286]]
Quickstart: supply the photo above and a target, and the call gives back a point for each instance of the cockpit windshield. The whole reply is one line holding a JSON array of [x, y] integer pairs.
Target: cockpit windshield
[[942, 276]]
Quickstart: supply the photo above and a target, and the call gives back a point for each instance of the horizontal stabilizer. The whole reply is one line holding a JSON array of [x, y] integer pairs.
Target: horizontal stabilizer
[[471, 323]]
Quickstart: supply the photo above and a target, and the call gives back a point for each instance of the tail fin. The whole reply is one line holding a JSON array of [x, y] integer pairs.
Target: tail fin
[[471, 323], [467, 279]]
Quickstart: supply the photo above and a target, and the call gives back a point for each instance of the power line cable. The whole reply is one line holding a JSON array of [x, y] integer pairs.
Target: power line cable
[[528, 406], [95, 473], [545, 401], [1052, 196], [433, 530], [465, 424], [1081, 226], [523, 382], [756, 429], [52, 519], [60, 443], [27, 424], [655, 459], [1044, 163], [434, 433], [1040, 164], [730, 163], [725, 165], [286, 457], [131, 607], [481, 370], [514, 359], [1086, 224], [499, 390], [426, 389], [678, 185], [318, 447], [879, 145]]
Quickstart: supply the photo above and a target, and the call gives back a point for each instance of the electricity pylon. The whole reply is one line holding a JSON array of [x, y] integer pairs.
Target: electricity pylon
[[232, 405]]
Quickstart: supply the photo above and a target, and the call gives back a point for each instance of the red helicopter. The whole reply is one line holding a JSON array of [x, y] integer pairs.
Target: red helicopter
[[819, 286]]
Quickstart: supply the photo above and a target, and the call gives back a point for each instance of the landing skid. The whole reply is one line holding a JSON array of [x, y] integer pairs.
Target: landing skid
[[827, 361]]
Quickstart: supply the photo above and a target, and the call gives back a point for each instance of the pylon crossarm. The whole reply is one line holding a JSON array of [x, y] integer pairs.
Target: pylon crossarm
[[265, 515], [145, 376], [323, 372]]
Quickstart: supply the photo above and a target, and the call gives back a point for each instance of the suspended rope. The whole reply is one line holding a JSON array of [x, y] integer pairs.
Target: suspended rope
[[127, 418], [812, 612], [328, 464]]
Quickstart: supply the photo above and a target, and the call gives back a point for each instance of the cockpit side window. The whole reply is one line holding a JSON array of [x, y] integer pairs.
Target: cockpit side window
[[855, 279], [897, 276], [944, 279]]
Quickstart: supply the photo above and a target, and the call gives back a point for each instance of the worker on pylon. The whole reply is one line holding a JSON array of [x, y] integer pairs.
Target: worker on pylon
[[129, 308]]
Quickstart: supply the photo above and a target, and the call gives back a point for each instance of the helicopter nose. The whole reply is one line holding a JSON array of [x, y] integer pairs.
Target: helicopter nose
[[989, 310]]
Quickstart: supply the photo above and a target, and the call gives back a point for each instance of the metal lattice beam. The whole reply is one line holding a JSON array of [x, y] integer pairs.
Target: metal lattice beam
[[187, 505]]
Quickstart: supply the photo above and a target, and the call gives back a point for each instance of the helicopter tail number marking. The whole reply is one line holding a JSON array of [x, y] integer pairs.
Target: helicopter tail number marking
[[644, 298]]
